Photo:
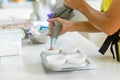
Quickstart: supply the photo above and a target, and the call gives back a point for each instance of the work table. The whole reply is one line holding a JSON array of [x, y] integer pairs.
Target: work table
[[27, 66]]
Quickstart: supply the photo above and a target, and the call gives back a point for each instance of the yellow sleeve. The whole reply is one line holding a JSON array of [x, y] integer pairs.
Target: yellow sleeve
[[119, 46], [105, 5]]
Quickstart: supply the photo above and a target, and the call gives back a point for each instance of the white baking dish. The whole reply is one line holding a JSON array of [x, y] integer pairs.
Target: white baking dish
[[66, 65]]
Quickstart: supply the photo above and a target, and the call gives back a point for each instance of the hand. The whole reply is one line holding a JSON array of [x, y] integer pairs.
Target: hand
[[65, 24], [74, 4]]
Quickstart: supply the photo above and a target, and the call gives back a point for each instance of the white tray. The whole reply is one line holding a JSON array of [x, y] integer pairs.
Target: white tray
[[89, 64]]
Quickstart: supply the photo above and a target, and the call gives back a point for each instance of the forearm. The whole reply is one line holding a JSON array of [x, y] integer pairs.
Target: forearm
[[83, 26], [99, 19], [106, 22]]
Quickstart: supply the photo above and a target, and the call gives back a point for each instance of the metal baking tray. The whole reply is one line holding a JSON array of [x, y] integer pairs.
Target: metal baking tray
[[89, 64]]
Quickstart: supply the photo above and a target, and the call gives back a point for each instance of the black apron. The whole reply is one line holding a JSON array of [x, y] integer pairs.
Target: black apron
[[114, 42]]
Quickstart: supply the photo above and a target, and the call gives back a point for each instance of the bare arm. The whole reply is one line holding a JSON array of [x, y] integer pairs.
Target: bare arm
[[83, 26], [107, 22]]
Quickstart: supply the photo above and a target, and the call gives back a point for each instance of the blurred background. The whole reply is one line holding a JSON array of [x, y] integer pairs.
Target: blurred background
[[22, 11]]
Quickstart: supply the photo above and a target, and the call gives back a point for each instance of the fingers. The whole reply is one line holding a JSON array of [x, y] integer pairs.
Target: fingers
[[56, 19], [60, 20], [49, 28], [67, 2], [51, 23]]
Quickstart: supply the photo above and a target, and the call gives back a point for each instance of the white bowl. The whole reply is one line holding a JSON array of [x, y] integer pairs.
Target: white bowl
[[56, 59], [38, 39], [76, 58]]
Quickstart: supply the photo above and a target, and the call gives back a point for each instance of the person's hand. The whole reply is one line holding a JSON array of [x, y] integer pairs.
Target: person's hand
[[65, 24], [74, 4]]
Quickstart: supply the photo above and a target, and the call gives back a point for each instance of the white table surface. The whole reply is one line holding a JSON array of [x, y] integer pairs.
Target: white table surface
[[27, 66]]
